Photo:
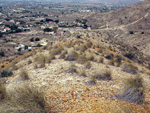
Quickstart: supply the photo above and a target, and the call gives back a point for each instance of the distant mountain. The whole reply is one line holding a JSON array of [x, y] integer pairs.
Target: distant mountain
[[101, 1], [129, 2]]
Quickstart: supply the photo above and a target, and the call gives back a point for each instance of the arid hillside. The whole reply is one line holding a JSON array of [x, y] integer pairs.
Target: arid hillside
[[74, 75]]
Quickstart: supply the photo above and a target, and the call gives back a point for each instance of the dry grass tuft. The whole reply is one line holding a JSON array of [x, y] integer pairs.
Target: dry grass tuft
[[82, 73], [90, 57], [72, 68], [25, 98], [134, 91], [63, 54], [72, 56], [82, 59], [88, 65], [24, 74], [136, 82], [57, 50], [130, 68], [29, 61], [100, 60], [2, 91], [103, 75]]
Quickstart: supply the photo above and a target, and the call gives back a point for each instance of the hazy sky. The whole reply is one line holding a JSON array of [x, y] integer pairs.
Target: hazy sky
[[97, 1]]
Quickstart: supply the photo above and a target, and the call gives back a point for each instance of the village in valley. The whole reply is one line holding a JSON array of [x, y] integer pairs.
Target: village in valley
[[27, 25]]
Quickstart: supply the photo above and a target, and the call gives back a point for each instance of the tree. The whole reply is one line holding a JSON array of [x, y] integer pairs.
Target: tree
[[56, 21], [39, 45], [48, 30], [32, 40], [47, 20], [37, 39], [26, 47], [1, 34]]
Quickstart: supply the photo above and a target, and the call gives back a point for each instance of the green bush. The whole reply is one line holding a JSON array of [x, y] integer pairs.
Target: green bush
[[37, 39], [32, 40]]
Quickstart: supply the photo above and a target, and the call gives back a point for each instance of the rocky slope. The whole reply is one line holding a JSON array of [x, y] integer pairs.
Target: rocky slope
[[67, 74]]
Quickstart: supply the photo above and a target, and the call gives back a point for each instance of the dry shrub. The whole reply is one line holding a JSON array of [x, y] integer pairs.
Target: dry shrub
[[118, 60], [130, 68], [91, 81], [111, 62], [63, 54], [100, 60], [82, 59], [83, 48], [82, 73], [136, 82], [90, 57], [72, 68], [14, 66], [29, 61], [103, 75], [109, 57], [70, 44], [28, 98], [2, 91], [24, 74], [133, 91], [72, 56], [57, 50], [89, 44], [77, 47], [6, 73], [40, 60], [88, 65]]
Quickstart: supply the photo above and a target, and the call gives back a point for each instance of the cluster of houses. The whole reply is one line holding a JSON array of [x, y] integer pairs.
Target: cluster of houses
[[62, 29], [5, 29]]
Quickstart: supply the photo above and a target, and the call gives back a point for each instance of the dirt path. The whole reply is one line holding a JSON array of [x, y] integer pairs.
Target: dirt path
[[123, 26]]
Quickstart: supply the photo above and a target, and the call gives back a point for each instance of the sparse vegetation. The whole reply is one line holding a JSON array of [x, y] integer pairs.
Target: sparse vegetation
[[118, 60], [88, 65], [136, 82], [110, 56], [24, 74], [6, 73], [82, 59], [25, 98], [111, 62], [131, 32], [71, 68], [91, 81], [2, 91], [100, 60], [134, 91], [40, 60], [29, 61], [130, 68], [103, 75], [72, 56], [90, 57], [63, 54], [57, 50], [2, 53], [82, 73]]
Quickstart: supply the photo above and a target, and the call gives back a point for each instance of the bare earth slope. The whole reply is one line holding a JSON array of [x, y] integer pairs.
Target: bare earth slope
[[68, 90]]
